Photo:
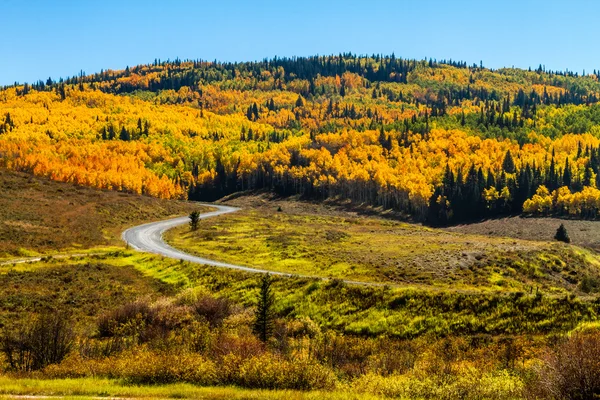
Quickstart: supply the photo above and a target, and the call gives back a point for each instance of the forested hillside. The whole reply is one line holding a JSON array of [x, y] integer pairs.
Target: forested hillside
[[442, 141]]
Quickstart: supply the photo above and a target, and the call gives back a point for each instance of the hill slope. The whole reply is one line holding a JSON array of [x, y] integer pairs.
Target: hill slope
[[38, 215], [443, 141]]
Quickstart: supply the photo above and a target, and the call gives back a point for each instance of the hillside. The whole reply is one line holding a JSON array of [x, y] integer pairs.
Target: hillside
[[313, 240], [38, 215], [582, 233], [345, 169], [442, 141]]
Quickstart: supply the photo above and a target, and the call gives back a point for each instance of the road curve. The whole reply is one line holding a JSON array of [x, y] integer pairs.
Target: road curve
[[148, 238]]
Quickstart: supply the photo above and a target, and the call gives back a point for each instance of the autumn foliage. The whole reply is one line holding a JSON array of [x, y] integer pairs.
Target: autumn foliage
[[442, 141]]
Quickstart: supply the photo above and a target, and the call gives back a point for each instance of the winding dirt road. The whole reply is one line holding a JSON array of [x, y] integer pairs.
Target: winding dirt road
[[148, 238]]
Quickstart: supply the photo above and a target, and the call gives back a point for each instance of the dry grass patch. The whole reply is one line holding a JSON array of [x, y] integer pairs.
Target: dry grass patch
[[38, 215]]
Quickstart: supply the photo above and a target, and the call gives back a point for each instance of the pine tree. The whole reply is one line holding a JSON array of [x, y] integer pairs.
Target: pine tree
[[587, 176], [264, 316], [562, 235], [567, 174], [124, 135], [508, 165], [552, 179], [194, 219], [383, 139]]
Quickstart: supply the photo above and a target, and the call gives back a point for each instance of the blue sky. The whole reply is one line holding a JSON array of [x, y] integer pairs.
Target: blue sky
[[42, 38]]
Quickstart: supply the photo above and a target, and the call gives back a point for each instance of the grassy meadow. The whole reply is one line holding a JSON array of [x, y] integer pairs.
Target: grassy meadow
[[384, 251], [144, 320], [452, 314]]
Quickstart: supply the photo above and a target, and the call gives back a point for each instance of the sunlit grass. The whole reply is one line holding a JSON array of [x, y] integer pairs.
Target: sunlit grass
[[94, 388], [380, 251]]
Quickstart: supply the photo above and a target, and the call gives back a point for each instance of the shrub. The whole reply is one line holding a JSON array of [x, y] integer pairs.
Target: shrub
[[143, 366], [213, 309], [269, 371], [469, 384], [589, 284], [47, 340], [128, 316], [167, 317], [243, 346], [571, 370], [77, 366], [144, 322]]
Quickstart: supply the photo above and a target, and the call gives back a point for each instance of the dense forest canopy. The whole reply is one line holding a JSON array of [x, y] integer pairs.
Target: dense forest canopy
[[440, 140]]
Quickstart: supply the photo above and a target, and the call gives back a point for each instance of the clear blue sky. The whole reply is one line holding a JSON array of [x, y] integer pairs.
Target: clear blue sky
[[58, 38]]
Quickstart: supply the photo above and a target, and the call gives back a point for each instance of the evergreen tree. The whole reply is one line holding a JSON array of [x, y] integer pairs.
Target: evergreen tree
[[124, 135], [508, 165], [562, 235], [587, 176], [567, 174], [384, 140], [264, 316], [491, 180], [194, 219], [111, 132], [552, 180]]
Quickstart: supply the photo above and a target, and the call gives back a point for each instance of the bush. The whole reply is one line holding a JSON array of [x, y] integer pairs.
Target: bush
[[469, 384], [269, 371], [47, 340], [143, 366], [144, 322], [589, 284], [571, 370], [213, 309], [244, 346], [76, 366], [113, 322]]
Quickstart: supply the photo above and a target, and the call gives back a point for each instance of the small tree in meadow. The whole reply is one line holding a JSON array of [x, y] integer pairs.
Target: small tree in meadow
[[194, 219], [562, 235], [263, 323]]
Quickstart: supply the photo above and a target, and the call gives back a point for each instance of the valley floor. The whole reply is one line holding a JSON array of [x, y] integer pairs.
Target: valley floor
[[462, 313]]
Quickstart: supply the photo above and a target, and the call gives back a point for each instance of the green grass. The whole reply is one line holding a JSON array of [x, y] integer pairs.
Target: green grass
[[85, 286], [384, 251], [88, 286], [404, 312], [94, 388]]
